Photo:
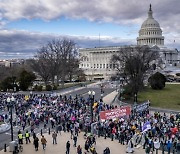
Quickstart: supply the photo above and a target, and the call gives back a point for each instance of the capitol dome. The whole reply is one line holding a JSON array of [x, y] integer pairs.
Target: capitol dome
[[150, 32], [150, 23]]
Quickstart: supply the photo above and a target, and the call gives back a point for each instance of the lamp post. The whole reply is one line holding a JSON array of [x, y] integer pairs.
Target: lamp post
[[10, 102], [101, 91], [135, 99], [121, 93], [91, 96], [121, 90]]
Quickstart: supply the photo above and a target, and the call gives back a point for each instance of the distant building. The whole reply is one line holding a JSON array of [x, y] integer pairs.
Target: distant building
[[2, 63], [150, 32], [11, 62], [96, 61]]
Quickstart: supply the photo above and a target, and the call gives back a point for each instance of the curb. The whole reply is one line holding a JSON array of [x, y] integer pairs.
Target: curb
[[163, 110]]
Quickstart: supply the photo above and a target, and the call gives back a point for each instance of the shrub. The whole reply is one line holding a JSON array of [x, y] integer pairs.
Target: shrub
[[157, 81], [177, 74], [8, 83], [127, 93], [39, 88], [35, 87], [26, 79], [48, 87], [54, 87]]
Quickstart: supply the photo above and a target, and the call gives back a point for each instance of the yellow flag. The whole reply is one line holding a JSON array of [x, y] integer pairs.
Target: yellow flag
[[26, 97], [95, 104]]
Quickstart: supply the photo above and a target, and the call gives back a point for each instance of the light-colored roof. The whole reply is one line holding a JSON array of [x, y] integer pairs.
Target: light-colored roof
[[150, 21]]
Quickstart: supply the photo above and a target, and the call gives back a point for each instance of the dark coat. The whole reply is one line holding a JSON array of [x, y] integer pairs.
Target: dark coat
[[36, 142]]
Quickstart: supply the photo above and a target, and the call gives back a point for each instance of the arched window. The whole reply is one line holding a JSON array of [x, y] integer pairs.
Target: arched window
[[110, 66], [107, 66]]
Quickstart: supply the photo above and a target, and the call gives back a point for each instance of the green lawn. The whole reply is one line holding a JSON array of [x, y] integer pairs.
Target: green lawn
[[168, 98]]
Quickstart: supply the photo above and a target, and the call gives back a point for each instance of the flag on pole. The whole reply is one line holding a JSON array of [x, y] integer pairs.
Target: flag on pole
[[146, 126]]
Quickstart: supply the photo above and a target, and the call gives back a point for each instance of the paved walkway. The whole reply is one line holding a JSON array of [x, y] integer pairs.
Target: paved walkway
[[78, 88], [115, 147], [108, 99]]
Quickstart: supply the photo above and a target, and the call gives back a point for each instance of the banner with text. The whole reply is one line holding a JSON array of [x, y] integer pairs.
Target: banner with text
[[115, 113], [141, 107]]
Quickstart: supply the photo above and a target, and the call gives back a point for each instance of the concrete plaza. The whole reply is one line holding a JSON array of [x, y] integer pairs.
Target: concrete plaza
[[60, 147]]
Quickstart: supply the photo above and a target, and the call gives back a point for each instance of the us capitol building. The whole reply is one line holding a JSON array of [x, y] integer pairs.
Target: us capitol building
[[96, 61]]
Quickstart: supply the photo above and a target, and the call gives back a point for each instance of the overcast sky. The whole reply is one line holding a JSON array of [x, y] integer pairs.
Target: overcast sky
[[26, 25]]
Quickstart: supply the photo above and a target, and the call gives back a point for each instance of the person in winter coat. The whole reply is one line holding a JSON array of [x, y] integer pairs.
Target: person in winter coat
[[54, 137], [130, 147], [68, 147], [36, 143], [43, 141], [75, 140], [148, 149], [169, 145], [87, 146], [79, 150], [107, 151], [178, 147]]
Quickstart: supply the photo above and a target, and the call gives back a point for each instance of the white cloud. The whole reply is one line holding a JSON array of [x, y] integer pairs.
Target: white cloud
[[119, 11], [25, 44], [126, 12]]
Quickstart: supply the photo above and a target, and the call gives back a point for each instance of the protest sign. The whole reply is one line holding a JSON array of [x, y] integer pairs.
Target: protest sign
[[115, 113], [141, 107]]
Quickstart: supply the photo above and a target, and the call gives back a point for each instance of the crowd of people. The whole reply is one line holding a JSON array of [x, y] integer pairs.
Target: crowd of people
[[72, 115]]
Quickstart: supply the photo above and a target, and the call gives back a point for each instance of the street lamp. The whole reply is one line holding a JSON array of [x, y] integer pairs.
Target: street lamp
[[121, 93], [10, 102], [135, 98], [102, 92], [91, 96]]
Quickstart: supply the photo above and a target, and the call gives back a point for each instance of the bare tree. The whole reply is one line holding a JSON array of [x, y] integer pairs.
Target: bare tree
[[57, 58], [3, 72], [41, 64], [135, 63], [12, 71], [65, 54]]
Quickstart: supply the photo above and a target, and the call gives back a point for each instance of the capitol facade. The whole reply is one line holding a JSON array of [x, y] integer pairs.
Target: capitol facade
[[96, 61]]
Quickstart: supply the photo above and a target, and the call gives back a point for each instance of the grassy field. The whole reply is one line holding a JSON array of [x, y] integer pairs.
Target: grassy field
[[168, 98]]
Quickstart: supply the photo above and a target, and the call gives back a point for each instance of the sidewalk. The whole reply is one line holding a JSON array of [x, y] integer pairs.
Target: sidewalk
[[76, 89], [59, 148], [108, 99]]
